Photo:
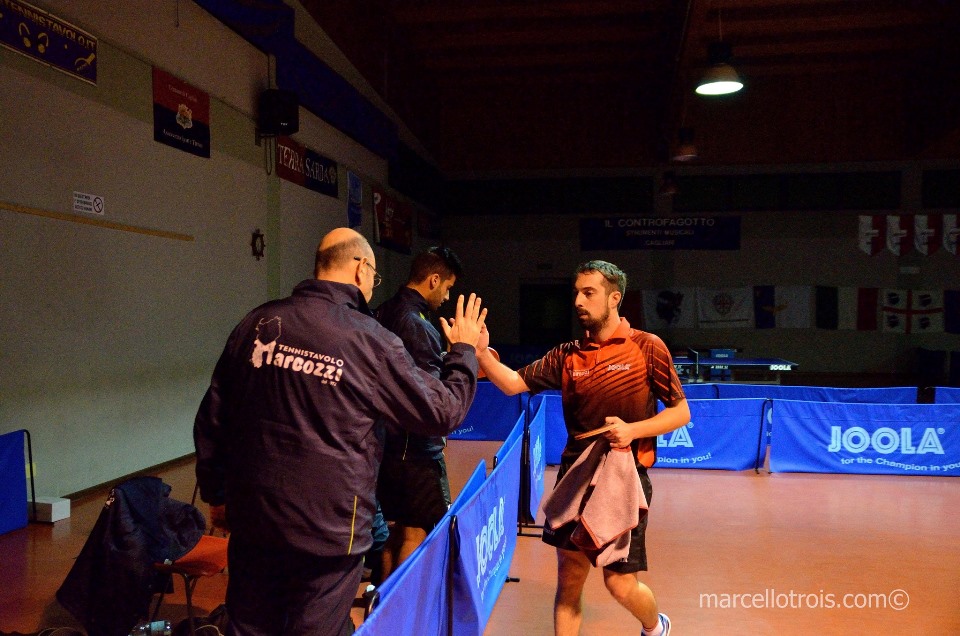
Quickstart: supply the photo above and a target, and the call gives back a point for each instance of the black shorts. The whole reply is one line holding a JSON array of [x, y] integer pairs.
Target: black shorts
[[413, 492], [636, 561]]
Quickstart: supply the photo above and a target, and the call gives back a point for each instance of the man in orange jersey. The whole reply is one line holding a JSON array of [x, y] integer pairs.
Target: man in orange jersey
[[612, 377]]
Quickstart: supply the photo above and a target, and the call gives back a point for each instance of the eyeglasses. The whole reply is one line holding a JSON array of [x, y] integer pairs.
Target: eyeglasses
[[377, 278]]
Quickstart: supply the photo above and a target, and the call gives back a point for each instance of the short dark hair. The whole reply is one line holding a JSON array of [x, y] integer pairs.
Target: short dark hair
[[610, 272], [435, 260], [339, 253]]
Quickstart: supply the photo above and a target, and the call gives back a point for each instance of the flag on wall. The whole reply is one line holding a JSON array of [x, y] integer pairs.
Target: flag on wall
[[726, 307], [781, 306], [950, 233], [847, 308], [912, 311], [871, 234], [669, 308], [181, 114], [899, 234], [951, 310], [354, 199], [392, 222], [927, 231]]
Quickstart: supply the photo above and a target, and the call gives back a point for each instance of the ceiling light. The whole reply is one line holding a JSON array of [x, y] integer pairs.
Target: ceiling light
[[720, 78]]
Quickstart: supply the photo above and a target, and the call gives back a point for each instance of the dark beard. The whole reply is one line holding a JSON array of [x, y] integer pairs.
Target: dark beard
[[593, 325]]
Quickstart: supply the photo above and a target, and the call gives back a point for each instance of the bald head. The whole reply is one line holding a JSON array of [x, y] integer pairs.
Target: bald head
[[344, 256], [336, 251]]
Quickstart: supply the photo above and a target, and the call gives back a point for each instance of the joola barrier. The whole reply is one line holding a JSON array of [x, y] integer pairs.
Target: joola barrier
[[451, 583]]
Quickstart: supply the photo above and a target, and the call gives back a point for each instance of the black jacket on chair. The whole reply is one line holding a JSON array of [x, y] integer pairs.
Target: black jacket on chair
[[110, 585]]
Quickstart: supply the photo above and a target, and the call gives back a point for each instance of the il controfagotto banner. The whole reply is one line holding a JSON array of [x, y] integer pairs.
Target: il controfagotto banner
[[298, 164], [661, 233], [46, 38], [889, 439]]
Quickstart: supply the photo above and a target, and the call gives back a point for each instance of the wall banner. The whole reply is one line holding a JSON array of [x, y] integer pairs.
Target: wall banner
[[888, 439], [661, 233], [46, 38], [298, 164], [181, 114]]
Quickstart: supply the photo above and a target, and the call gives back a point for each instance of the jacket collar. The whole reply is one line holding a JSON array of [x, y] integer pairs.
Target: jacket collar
[[337, 293]]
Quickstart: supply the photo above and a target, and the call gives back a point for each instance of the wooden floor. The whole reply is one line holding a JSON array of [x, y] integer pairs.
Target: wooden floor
[[793, 548]]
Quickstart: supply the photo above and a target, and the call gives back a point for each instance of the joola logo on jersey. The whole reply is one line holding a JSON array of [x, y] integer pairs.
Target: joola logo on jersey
[[579, 373], [619, 367], [489, 539], [679, 437], [884, 440]]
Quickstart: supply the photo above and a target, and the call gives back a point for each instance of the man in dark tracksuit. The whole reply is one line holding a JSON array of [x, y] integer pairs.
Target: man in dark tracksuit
[[290, 435], [413, 488]]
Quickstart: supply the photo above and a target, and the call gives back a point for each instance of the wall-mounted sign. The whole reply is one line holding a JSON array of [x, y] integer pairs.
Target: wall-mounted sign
[[300, 165], [84, 203], [181, 114], [661, 233], [46, 38]]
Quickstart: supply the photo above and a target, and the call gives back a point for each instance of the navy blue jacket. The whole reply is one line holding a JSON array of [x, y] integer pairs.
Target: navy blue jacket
[[290, 433], [408, 315]]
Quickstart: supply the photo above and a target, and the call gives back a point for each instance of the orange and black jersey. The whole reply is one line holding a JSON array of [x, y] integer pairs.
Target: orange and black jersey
[[623, 376]]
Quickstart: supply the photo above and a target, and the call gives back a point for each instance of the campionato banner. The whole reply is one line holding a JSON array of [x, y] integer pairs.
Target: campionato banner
[[890, 439], [722, 434], [487, 535], [491, 416]]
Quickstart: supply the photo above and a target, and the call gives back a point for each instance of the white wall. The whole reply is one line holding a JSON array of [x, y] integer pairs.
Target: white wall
[[110, 335]]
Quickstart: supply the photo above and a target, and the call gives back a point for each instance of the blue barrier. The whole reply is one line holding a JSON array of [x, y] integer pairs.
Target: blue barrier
[[890, 439], [414, 599], [947, 395], [555, 430], [13, 482], [515, 435], [700, 391], [536, 463], [485, 540], [491, 416], [722, 434], [884, 395]]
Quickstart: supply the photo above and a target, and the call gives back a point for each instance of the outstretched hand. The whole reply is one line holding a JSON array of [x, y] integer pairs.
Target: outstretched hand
[[467, 323]]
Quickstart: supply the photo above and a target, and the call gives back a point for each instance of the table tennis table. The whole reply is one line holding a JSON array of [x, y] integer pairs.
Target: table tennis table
[[694, 367]]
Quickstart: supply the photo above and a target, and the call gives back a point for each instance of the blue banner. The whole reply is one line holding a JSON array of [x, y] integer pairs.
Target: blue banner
[[46, 38], [516, 434], [537, 461], [413, 600], [891, 439], [555, 433], [722, 434], [661, 233], [947, 395], [13, 482], [491, 416], [486, 531], [702, 391], [885, 395]]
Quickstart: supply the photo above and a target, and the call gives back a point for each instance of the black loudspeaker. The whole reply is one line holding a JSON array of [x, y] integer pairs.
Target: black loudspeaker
[[279, 112]]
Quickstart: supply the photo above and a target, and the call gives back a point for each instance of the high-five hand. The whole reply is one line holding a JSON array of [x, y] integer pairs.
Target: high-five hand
[[467, 322]]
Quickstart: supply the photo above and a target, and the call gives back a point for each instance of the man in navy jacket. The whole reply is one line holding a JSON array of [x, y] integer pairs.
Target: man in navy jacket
[[289, 438]]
